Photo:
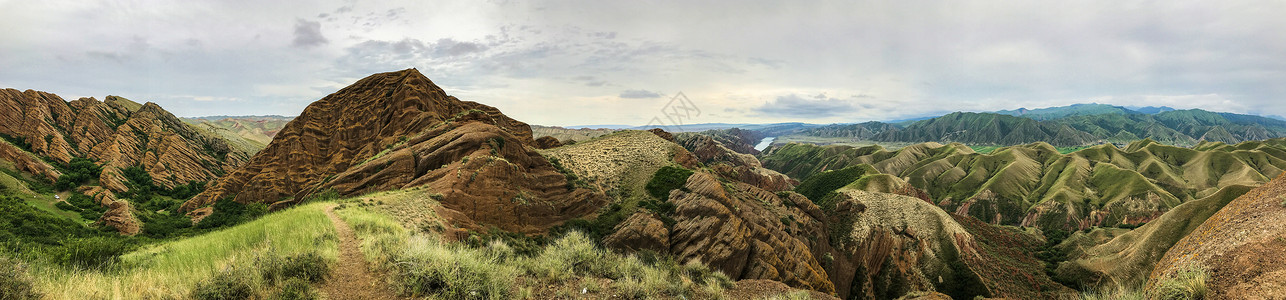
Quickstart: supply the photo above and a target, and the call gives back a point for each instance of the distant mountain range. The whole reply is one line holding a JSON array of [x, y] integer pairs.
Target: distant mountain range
[[1074, 125]]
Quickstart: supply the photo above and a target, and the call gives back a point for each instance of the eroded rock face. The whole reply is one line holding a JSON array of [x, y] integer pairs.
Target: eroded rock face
[[119, 215], [117, 133], [398, 130], [742, 230]]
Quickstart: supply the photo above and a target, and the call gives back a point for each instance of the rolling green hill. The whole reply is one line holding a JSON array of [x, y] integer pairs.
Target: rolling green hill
[[1035, 185]]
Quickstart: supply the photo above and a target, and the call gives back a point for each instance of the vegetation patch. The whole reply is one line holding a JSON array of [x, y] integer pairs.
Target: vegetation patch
[[666, 179], [77, 172], [817, 186], [1187, 282]]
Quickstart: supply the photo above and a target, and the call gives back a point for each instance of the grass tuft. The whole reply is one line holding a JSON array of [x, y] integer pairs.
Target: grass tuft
[[1187, 282]]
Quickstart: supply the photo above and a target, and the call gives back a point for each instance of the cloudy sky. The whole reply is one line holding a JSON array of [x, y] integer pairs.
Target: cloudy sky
[[621, 62]]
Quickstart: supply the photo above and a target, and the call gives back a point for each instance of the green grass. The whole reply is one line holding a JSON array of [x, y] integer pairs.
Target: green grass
[[172, 269]]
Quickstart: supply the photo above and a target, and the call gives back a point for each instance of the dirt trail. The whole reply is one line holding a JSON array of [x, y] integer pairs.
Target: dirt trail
[[351, 279]]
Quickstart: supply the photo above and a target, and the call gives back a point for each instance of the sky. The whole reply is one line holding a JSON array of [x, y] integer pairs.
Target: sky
[[624, 62]]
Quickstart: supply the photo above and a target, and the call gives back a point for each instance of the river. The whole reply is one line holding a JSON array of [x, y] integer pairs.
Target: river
[[763, 144]]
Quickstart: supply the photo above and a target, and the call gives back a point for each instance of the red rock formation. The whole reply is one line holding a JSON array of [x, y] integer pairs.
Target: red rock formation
[[398, 130], [117, 133]]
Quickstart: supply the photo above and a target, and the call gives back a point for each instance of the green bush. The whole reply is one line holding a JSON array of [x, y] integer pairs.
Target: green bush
[[14, 281], [84, 202], [93, 252], [230, 284], [666, 179], [76, 172], [163, 226]]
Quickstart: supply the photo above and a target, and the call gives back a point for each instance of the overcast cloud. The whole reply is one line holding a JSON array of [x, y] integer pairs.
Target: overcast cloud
[[613, 62]]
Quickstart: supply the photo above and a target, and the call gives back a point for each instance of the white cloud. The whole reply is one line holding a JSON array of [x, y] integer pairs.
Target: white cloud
[[573, 62]]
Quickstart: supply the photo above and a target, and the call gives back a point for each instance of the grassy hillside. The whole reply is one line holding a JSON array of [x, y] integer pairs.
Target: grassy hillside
[[1036, 185], [1127, 259], [173, 269]]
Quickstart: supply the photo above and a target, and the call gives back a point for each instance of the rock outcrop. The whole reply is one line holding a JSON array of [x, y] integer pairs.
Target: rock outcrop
[[398, 130], [120, 215], [1240, 247], [739, 229]]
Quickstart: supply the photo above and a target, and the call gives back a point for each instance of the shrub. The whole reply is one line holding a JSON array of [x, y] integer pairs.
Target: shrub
[[666, 179], [1187, 282], [231, 284], [297, 289], [14, 281], [76, 172], [309, 266]]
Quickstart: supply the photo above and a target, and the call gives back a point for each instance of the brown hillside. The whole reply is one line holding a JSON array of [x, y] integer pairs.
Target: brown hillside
[[397, 130], [1241, 245]]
